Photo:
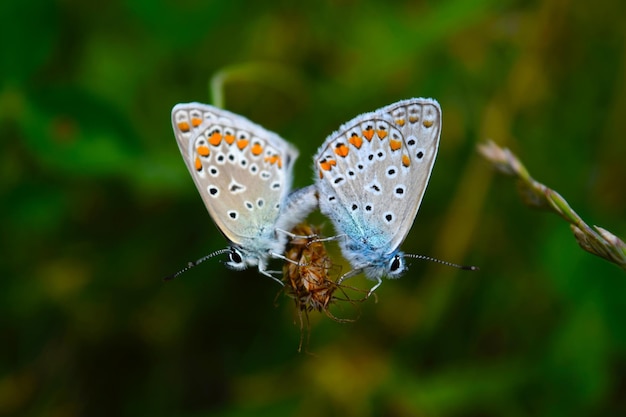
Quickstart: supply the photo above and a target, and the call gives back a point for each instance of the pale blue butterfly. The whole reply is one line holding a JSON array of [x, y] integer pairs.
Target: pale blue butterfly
[[244, 174], [371, 176]]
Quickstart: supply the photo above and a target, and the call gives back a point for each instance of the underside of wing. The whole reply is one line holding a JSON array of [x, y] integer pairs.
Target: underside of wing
[[242, 171], [372, 172]]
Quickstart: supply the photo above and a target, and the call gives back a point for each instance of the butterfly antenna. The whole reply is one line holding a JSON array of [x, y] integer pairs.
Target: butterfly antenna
[[439, 261], [191, 264]]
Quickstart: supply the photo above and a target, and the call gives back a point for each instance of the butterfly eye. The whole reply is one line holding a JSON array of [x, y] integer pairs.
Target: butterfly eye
[[234, 257], [396, 266]]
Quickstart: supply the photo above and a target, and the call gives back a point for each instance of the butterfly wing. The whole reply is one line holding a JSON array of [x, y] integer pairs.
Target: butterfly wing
[[372, 173], [242, 171]]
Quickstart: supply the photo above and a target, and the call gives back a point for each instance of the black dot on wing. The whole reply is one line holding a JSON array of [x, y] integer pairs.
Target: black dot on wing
[[213, 190], [235, 187], [354, 207], [399, 190], [388, 217], [420, 155], [233, 214], [368, 208], [411, 142], [260, 202]]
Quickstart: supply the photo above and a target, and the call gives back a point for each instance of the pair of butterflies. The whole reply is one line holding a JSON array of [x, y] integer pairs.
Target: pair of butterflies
[[371, 175]]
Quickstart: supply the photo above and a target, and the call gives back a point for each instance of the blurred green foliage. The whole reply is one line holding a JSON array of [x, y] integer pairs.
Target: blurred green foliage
[[97, 206]]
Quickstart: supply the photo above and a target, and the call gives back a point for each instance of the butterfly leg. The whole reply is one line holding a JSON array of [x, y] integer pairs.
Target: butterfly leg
[[357, 271], [349, 274], [284, 258], [328, 239], [295, 236], [331, 238], [267, 273], [262, 265], [380, 281]]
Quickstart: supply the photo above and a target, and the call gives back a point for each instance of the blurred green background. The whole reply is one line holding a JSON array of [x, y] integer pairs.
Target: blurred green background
[[97, 206]]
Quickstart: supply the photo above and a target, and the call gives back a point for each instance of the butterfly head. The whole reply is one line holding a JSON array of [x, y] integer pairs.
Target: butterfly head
[[391, 266]]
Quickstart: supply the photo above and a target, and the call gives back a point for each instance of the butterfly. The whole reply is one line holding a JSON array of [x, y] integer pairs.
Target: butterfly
[[371, 177], [243, 173]]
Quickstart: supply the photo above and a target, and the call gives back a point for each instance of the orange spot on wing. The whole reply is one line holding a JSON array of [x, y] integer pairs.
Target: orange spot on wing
[[406, 161], [395, 144], [229, 138], [413, 119], [215, 139], [256, 149], [274, 159], [368, 133], [356, 140], [427, 123], [203, 150], [400, 122], [342, 150], [382, 134], [242, 143], [183, 126], [198, 164], [195, 121], [327, 164]]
